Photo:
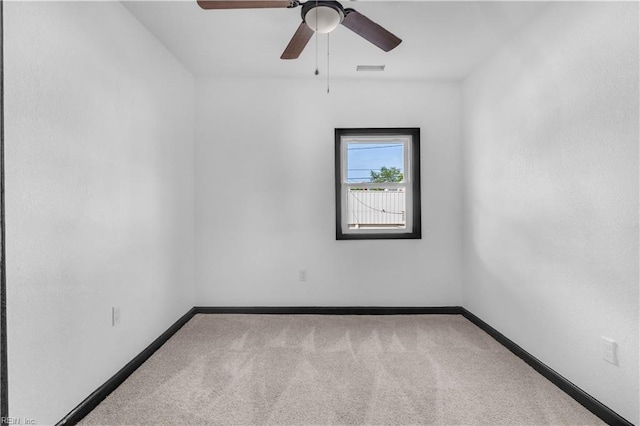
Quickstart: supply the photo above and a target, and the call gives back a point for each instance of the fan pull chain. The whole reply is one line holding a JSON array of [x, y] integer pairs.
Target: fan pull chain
[[328, 62], [316, 37]]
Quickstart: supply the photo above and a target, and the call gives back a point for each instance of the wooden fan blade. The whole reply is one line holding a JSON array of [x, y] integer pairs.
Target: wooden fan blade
[[298, 42], [369, 30], [243, 4]]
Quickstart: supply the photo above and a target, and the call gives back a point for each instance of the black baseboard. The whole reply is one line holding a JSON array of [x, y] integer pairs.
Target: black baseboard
[[596, 407], [328, 310], [590, 403], [92, 401]]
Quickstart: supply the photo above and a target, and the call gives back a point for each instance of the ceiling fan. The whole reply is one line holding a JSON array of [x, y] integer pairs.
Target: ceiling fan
[[321, 16]]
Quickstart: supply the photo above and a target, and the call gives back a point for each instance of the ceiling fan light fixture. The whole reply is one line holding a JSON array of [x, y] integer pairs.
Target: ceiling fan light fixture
[[323, 18]]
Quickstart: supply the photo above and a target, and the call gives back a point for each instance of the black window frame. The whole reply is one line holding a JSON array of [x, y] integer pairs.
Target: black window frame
[[416, 231]]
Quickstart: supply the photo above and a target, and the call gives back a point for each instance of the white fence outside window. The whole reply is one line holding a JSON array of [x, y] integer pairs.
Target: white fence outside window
[[369, 208]]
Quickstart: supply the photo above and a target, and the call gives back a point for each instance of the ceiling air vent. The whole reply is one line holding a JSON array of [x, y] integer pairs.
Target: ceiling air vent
[[370, 68]]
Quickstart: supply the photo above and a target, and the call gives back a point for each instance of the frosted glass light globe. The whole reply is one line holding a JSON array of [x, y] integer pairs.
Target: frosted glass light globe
[[323, 19]]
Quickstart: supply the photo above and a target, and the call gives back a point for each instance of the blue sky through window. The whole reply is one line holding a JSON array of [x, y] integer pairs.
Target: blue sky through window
[[362, 158]]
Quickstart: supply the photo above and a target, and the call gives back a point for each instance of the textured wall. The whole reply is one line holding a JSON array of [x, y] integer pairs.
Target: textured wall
[[100, 191], [99, 153], [551, 194], [265, 202]]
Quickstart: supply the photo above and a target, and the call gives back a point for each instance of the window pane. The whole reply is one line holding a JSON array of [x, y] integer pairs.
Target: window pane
[[377, 208], [377, 183], [375, 162]]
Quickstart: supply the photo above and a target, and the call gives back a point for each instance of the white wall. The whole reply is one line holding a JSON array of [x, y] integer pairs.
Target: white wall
[[551, 194], [265, 202], [99, 184], [100, 194]]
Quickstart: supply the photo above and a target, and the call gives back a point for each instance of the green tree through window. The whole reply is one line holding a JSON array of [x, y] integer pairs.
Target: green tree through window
[[387, 174]]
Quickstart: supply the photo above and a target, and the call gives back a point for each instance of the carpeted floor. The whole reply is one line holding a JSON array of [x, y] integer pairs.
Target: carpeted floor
[[336, 370]]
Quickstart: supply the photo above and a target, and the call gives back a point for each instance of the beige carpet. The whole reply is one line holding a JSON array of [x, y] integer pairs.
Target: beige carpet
[[336, 370]]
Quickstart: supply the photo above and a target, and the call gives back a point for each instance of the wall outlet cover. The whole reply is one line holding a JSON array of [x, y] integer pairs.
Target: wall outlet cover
[[115, 315], [609, 349]]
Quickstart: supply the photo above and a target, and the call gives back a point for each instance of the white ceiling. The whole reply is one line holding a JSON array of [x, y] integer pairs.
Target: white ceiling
[[441, 40]]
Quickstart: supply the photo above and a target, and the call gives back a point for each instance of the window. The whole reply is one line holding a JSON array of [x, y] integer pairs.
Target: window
[[377, 184]]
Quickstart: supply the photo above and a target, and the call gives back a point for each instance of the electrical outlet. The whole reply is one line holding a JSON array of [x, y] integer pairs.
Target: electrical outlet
[[303, 274], [609, 350], [115, 315]]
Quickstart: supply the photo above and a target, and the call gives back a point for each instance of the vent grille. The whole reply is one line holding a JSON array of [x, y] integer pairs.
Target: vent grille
[[370, 68]]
